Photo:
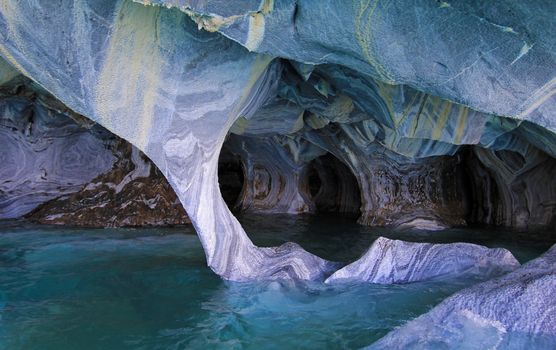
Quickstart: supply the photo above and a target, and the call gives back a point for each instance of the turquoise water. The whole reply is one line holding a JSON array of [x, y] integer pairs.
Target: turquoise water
[[151, 289]]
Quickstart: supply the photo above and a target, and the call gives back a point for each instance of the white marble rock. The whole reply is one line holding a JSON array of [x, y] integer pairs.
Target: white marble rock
[[393, 261], [514, 311]]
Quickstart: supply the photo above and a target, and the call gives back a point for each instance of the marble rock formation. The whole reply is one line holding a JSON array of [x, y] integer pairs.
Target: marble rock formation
[[513, 189], [390, 261], [151, 77], [496, 58], [133, 193], [396, 93], [59, 168], [45, 154], [272, 179], [515, 311]]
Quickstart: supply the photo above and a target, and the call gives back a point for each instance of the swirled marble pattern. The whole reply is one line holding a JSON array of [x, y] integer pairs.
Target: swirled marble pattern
[[273, 179], [132, 193], [515, 311], [393, 261], [45, 154], [372, 83], [178, 110], [496, 58]]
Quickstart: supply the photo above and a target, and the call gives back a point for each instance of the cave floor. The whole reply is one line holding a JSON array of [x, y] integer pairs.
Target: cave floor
[[151, 289]]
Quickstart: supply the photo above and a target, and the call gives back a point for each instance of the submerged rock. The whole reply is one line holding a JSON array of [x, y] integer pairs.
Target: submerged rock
[[515, 311], [393, 261]]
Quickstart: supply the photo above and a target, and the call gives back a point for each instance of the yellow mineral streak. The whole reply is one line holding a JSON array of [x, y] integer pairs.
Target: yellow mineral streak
[[240, 126], [442, 119], [415, 123], [408, 107], [209, 23], [429, 112], [130, 76], [386, 91], [462, 121], [256, 31], [266, 6], [364, 35], [8, 57], [7, 72], [524, 50], [213, 22]]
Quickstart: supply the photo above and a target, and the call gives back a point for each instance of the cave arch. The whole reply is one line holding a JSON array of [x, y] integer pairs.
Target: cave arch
[[511, 189], [332, 186], [178, 116]]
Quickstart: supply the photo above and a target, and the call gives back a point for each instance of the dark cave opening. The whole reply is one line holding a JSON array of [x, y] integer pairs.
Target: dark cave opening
[[474, 187], [230, 178], [509, 189], [333, 187], [313, 181]]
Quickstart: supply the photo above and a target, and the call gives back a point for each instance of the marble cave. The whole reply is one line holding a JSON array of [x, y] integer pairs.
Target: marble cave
[[261, 174]]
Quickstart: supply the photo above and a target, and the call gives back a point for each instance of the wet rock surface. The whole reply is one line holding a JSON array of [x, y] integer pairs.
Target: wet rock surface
[[392, 261], [420, 115], [515, 311]]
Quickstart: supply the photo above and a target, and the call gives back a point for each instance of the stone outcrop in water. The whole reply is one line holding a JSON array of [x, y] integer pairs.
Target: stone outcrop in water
[[515, 311], [390, 261], [374, 84]]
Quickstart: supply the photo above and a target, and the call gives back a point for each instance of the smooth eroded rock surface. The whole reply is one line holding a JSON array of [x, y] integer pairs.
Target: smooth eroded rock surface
[[393, 261], [515, 311], [151, 77], [44, 153], [60, 168]]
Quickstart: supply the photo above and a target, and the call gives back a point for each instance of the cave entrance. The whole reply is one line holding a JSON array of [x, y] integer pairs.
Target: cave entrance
[[510, 189], [332, 187], [230, 178]]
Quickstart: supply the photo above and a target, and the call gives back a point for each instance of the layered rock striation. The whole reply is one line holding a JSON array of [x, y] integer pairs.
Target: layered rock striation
[[514, 311], [441, 113], [45, 153], [132, 194], [390, 261], [60, 168]]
